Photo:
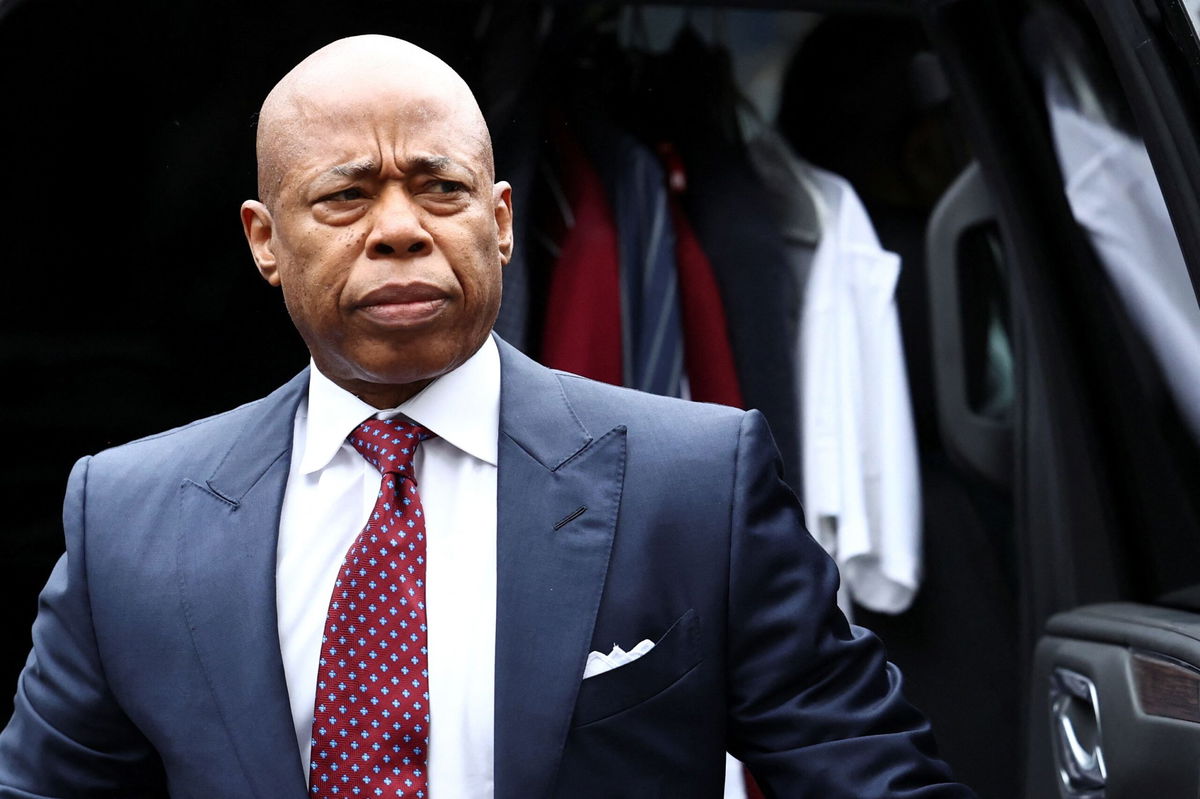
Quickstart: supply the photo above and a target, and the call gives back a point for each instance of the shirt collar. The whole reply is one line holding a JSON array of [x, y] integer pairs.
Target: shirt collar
[[462, 407]]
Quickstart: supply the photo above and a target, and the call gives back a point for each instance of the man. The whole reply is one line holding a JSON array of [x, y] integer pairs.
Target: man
[[224, 625]]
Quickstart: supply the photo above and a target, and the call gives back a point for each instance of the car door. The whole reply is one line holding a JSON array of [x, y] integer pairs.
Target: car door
[[1083, 119]]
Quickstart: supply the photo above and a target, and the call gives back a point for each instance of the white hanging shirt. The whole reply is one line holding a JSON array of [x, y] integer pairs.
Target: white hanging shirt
[[862, 496]]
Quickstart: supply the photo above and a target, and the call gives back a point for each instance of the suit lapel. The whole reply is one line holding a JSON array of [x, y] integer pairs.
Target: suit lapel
[[228, 530], [559, 492]]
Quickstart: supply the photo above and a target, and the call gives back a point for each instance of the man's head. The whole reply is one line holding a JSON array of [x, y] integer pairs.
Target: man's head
[[379, 216]]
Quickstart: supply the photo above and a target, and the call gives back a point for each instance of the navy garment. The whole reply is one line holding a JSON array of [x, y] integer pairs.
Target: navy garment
[[732, 216], [621, 516], [651, 319]]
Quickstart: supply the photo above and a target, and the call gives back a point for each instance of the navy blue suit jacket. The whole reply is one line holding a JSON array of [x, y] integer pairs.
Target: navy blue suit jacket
[[621, 516]]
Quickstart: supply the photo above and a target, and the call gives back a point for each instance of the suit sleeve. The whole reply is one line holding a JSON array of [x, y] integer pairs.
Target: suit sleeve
[[815, 708], [68, 737]]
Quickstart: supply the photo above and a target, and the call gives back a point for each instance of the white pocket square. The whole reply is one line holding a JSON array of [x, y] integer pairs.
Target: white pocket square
[[598, 662]]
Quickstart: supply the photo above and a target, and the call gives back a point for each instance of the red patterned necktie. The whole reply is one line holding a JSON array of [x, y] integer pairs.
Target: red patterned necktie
[[371, 720]]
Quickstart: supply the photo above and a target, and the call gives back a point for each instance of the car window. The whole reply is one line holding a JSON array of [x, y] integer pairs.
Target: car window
[[1114, 195], [1113, 186]]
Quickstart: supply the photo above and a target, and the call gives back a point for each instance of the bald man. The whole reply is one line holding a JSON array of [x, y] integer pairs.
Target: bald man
[[556, 588]]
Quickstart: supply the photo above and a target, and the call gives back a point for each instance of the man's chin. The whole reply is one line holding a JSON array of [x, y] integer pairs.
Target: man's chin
[[386, 383]]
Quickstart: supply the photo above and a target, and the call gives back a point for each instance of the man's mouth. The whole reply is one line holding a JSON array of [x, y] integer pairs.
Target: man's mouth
[[399, 306]]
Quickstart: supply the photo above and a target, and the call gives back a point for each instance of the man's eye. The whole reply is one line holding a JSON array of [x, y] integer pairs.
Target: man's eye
[[447, 186], [345, 195]]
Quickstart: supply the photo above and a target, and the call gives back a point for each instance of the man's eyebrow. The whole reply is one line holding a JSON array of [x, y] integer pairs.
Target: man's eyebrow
[[354, 169], [432, 163], [438, 164]]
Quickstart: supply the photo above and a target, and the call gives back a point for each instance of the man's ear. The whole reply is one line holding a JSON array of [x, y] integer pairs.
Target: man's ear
[[502, 204], [257, 225]]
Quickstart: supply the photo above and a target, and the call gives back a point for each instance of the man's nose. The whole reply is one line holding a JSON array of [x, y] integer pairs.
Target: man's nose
[[397, 227]]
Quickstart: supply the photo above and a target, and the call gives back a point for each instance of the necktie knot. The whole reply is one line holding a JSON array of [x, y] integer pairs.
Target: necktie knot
[[389, 444]]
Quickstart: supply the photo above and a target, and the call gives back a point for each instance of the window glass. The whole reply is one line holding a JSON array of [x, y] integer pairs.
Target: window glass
[[987, 339], [1115, 197], [1141, 347]]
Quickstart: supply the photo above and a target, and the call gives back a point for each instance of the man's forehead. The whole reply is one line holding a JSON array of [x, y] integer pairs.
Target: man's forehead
[[376, 105], [370, 95], [383, 108], [342, 138]]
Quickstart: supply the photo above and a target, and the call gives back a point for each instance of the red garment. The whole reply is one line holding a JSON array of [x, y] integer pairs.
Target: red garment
[[707, 354], [582, 332], [752, 789]]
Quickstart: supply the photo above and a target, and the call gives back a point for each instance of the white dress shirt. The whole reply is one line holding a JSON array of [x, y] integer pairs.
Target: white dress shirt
[[330, 492], [862, 493]]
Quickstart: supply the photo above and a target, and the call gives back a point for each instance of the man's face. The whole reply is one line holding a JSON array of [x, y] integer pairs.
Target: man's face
[[386, 235]]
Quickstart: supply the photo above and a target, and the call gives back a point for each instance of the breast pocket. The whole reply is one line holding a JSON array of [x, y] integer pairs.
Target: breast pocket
[[674, 654]]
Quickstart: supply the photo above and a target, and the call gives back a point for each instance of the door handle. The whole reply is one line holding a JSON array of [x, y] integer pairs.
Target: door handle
[[1075, 714], [981, 441]]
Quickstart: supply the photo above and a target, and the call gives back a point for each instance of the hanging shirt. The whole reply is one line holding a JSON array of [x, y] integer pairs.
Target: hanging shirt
[[861, 492], [1114, 196]]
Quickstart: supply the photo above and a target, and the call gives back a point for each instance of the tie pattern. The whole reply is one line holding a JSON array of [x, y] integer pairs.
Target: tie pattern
[[371, 716]]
